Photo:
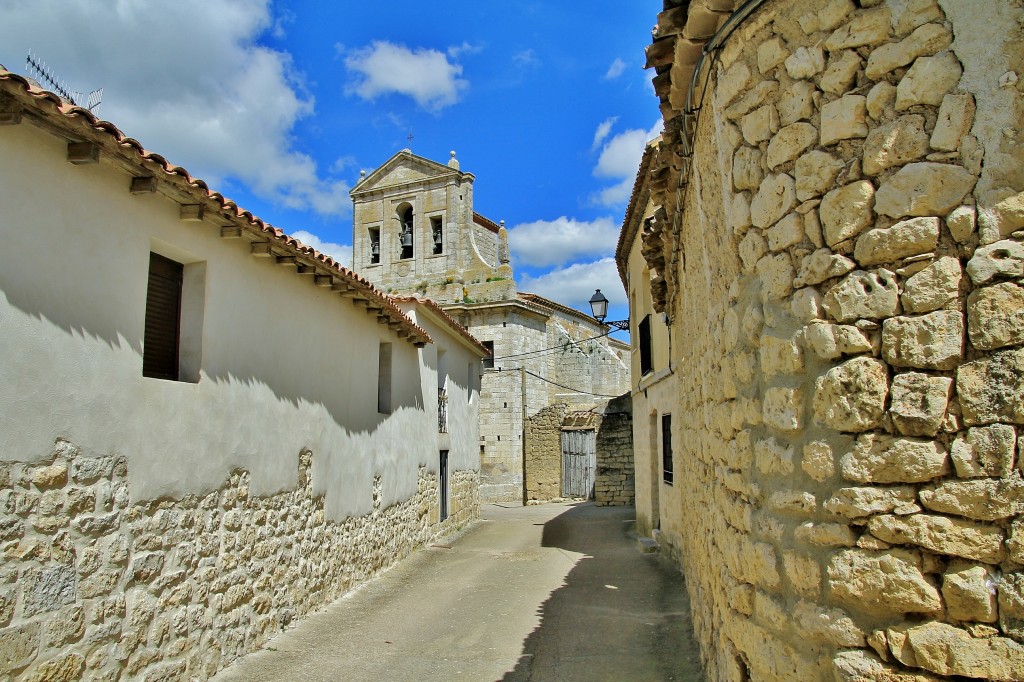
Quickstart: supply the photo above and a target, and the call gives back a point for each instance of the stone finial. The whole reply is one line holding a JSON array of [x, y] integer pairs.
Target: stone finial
[[362, 174], [503, 254], [453, 162]]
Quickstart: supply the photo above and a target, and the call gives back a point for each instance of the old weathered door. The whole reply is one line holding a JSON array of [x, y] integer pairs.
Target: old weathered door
[[579, 459]]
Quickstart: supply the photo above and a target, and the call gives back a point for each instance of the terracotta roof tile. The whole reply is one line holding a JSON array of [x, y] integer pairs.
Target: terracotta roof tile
[[54, 109], [451, 321]]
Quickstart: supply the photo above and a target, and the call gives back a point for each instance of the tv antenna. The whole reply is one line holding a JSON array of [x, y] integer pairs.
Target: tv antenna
[[38, 70]]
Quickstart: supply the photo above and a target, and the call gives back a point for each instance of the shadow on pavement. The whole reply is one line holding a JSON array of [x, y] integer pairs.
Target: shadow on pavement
[[620, 615]]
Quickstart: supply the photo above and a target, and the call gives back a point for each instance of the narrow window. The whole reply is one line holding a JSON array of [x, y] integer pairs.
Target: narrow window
[[437, 233], [384, 379], [489, 360], [374, 245], [163, 318], [666, 448], [644, 332], [405, 234]]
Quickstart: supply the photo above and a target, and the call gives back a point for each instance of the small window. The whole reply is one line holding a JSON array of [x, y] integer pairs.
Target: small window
[[163, 318], [384, 379], [644, 332], [489, 360], [437, 234], [405, 234], [374, 245], [666, 448]]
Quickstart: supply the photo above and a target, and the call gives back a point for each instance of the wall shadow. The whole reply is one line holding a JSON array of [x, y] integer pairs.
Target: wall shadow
[[620, 614]]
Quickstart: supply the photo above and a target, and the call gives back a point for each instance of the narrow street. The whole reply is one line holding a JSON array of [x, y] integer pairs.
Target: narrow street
[[545, 593]]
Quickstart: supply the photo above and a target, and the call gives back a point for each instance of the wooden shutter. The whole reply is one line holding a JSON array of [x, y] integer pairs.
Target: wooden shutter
[[163, 316], [646, 361]]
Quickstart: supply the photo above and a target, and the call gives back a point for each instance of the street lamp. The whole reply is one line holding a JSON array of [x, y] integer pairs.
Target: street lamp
[[599, 307]]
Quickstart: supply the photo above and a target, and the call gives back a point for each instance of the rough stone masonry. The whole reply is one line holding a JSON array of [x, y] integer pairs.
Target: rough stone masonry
[[845, 276]]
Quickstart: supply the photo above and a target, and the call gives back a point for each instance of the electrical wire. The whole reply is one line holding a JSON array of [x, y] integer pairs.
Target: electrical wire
[[552, 348], [553, 383]]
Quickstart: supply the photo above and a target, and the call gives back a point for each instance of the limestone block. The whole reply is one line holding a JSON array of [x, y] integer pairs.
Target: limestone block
[[919, 402], [732, 82], [18, 645], [995, 316], [866, 28], [984, 451], [820, 265], [47, 588], [942, 535], [846, 210], [780, 356], [751, 248], [825, 534], [812, 225], [746, 168], [829, 625], [956, 115], [793, 502], [818, 462], [1001, 259], [760, 124], [803, 572], [965, 587], [879, 458], [806, 304], [982, 499], [789, 143], [782, 409], [1015, 542], [53, 476], [909, 14], [739, 212], [770, 54], [863, 295], [841, 73], [844, 119], [851, 396], [928, 81], [776, 275], [858, 502], [755, 97], [796, 103], [961, 223], [881, 583], [931, 341], [925, 40], [774, 198], [923, 189], [858, 665], [933, 287], [948, 650], [773, 458], [1008, 215], [896, 143], [786, 233], [906, 238], [829, 17], [805, 62], [881, 97], [64, 668], [992, 389], [830, 341]]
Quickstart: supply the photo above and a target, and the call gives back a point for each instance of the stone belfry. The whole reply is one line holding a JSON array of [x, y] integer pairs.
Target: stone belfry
[[415, 231]]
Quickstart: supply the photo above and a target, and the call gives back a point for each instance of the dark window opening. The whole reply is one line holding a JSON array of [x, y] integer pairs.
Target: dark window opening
[[666, 448], [489, 360], [374, 245], [163, 318], [442, 476], [405, 235], [644, 332], [384, 379], [437, 234]]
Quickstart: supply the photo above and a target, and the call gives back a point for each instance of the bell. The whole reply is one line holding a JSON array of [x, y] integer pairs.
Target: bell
[[407, 238], [437, 237], [374, 248]]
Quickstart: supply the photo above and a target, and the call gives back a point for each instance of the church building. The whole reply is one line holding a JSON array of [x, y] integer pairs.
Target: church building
[[415, 233]]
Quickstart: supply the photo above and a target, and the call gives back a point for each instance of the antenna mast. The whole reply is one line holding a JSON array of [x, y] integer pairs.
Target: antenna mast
[[38, 70]]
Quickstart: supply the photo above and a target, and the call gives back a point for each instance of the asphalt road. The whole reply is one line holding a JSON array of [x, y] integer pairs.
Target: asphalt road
[[557, 592]]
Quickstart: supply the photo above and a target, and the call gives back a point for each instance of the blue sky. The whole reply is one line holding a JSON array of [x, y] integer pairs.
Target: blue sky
[[279, 105]]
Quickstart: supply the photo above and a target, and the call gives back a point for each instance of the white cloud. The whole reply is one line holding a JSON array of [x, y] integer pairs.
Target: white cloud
[[525, 58], [602, 131], [554, 242], [620, 160], [455, 51], [219, 104], [424, 75], [574, 285], [617, 68], [342, 253]]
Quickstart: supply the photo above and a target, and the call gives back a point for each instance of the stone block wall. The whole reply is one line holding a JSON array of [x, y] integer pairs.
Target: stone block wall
[[97, 586], [844, 280], [614, 482], [544, 454]]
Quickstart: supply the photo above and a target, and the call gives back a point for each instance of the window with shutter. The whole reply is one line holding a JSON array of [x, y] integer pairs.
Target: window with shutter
[[646, 359], [163, 319]]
